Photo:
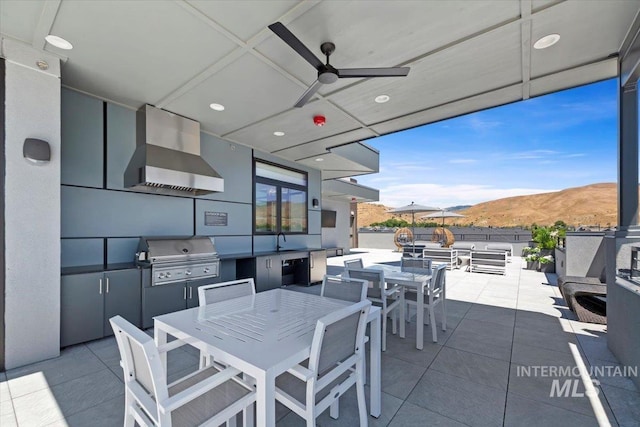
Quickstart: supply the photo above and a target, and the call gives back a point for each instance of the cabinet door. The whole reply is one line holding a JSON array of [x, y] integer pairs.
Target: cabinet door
[[317, 265], [81, 308], [262, 273], [275, 272], [122, 296], [162, 299], [192, 290]]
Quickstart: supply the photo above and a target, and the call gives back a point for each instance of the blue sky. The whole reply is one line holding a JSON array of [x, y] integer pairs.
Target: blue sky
[[557, 141]]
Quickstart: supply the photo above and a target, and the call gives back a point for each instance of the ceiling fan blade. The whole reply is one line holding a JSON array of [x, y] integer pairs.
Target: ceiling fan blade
[[306, 96], [373, 72], [287, 36]]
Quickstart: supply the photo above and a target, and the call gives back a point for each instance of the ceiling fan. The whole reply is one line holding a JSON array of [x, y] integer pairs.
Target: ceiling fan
[[328, 74]]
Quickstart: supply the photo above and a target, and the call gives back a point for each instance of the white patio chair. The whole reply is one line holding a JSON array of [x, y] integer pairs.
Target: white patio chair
[[353, 263], [434, 296], [218, 292], [344, 288], [207, 395], [416, 266], [379, 295], [335, 365]]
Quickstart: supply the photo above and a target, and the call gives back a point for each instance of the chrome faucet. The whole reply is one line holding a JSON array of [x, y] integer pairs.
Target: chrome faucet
[[278, 240]]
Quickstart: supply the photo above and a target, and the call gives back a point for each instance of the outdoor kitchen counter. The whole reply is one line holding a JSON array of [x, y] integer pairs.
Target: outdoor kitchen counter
[[82, 269], [266, 253]]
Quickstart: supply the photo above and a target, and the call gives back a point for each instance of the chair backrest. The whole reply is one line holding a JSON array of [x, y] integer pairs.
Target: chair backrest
[[143, 372], [438, 278], [508, 247], [344, 288], [339, 336], [217, 292], [374, 279], [463, 245], [416, 265], [353, 263]]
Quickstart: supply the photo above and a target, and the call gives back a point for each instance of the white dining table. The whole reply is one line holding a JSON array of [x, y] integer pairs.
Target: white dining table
[[263, 335], [393, 275]]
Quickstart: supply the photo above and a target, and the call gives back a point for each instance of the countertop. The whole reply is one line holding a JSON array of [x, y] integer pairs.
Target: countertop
[[98, 268]]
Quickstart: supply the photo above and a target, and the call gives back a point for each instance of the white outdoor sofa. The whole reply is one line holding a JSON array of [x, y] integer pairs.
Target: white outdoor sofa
[[447, 256], [492, 261], [507, 247]]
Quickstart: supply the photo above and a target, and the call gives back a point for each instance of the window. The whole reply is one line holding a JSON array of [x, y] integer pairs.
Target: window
[[280, 200]]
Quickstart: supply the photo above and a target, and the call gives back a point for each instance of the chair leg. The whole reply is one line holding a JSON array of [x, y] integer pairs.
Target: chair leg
[[394, 324], [384, 332], [129, 419], [434, 329], [362, 401], [334, 409], [444, 315]]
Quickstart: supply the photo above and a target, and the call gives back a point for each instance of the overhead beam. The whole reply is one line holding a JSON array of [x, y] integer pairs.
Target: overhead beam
[[525, 46], [43, 28]]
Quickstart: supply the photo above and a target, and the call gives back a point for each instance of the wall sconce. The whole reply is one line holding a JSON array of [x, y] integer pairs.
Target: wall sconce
[[315, 203], [36, 151]]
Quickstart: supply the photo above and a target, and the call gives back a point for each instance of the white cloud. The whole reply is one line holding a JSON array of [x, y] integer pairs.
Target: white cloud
[[449, 195], [480, 125]]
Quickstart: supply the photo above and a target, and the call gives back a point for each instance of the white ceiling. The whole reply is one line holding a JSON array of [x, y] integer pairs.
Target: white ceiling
[[183, 55]]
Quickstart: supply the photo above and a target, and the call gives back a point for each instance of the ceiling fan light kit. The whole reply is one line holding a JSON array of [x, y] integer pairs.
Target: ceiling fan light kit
[[328, 74]]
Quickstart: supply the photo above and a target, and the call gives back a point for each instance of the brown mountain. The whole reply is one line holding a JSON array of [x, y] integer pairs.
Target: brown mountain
[[590, 205]]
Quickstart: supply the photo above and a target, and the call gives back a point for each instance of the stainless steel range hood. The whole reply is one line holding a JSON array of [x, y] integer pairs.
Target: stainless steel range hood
[[167, 157]]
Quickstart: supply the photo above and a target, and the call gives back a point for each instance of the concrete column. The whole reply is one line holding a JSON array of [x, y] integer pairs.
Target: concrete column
[[628, 156], [32, 207]]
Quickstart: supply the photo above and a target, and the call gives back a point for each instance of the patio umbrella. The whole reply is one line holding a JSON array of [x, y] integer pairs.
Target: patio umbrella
[[442, 214], [413, 208]]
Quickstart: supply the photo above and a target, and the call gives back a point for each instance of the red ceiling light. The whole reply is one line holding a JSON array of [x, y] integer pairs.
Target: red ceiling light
[[319, 120]]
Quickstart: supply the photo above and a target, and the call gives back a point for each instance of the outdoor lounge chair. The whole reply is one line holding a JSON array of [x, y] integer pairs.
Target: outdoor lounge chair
[[586, 296], [587, 301]]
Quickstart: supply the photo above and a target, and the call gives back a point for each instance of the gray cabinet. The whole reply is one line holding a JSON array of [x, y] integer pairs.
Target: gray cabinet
[[163, 299], [317, 265], [87, 301], [268, 272], [82, 135], [81, 308], [122, 297]]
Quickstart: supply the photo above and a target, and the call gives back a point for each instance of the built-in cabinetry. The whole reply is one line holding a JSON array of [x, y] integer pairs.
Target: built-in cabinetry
[[285, 268], [88, 300], [317, 265], [162, 299]]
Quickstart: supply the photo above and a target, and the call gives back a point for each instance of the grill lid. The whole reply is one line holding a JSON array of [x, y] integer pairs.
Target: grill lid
[[177, 249]]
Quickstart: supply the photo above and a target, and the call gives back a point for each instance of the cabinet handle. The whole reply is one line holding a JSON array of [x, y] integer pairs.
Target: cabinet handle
[[267, 262], [190, 292], [100, 290], [184, 293], [107, 280], [311, 259]]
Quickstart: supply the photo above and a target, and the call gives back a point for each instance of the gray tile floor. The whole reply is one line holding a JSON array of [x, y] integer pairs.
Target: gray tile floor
[[475, 374]]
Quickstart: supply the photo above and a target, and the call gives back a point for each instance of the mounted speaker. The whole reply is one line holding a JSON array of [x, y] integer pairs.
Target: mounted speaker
[[36, 151]]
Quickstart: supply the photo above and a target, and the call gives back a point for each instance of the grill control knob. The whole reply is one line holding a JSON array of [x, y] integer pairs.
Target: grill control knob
[[168, 274], [206, 269], [160, 275], [187, 273]]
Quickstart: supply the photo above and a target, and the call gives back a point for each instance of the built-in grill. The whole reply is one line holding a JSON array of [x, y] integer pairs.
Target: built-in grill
[[178, 259]]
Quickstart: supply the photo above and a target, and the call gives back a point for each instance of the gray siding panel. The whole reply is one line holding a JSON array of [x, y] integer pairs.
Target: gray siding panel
[[239, 217], [233, 244], [121, 143], [234, 163], [103, 213], [121, 250], [77, 252], [82, 139]]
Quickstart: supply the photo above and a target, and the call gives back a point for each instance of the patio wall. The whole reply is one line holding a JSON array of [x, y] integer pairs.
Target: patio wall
[[337, 237], [623, 300], [585, 254]]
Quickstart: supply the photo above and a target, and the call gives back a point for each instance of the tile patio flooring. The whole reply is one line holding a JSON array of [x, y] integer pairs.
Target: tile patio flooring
[[495, 326]]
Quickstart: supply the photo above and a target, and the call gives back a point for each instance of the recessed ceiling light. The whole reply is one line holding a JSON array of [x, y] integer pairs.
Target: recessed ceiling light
[[546, 41], [278, 133], [217, 107], [58, 42], [381, 99], [319, 159]]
